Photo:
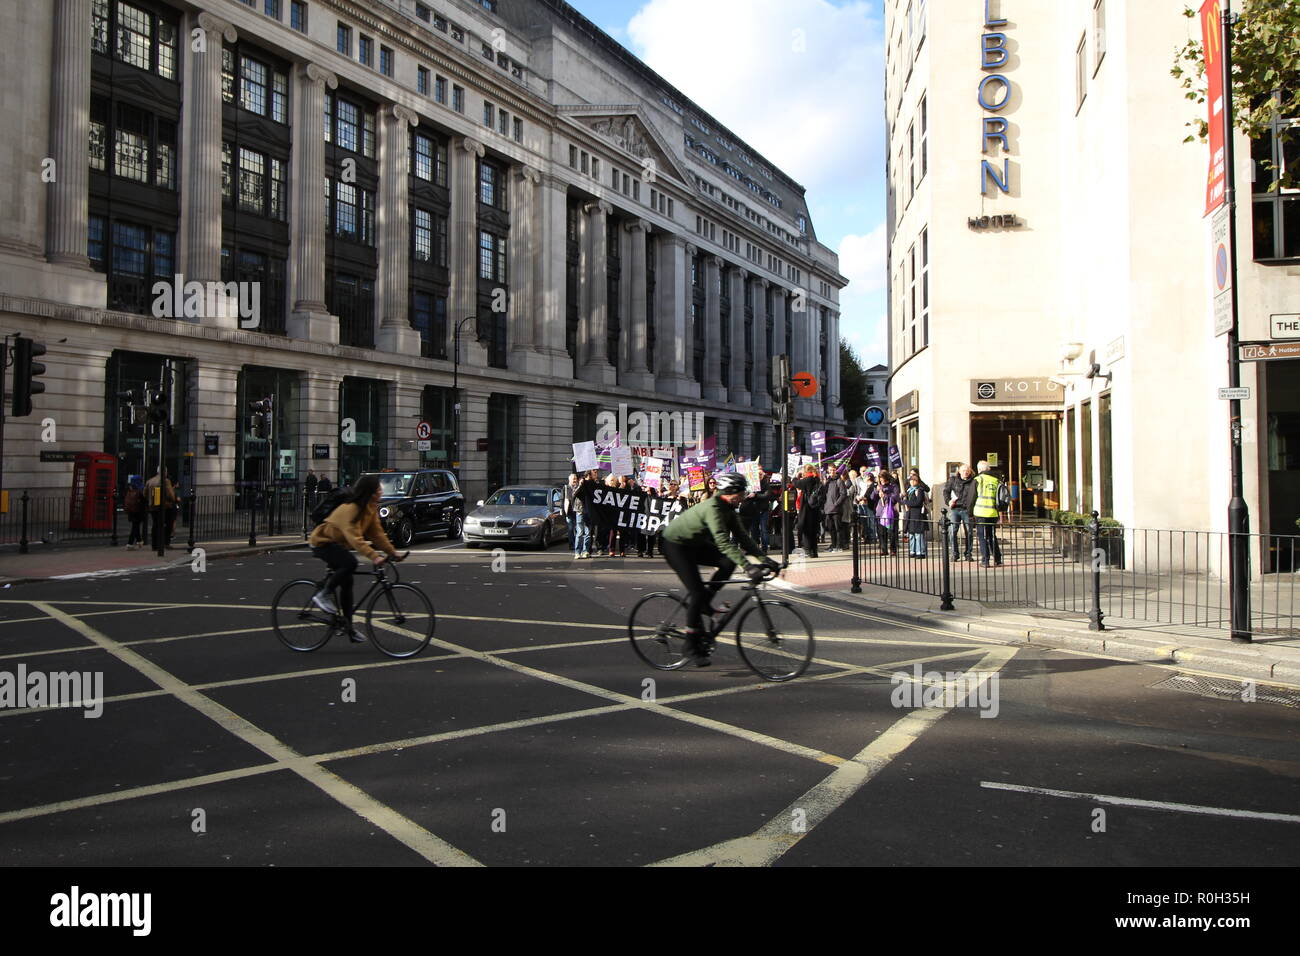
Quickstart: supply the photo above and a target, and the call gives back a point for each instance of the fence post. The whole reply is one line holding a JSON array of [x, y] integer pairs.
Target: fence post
[[22, 535], [1095, 616], [945, 599], [192, 515], [856, 584], [253, 503], [112, 517], [304, 514]]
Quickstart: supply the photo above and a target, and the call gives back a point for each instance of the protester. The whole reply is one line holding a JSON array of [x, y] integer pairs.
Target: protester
[[914, 523], [960, 495], [838, 504], [134, 507], [887, 504], [812, 498], [575, 516], [986, 515], [169, 504]]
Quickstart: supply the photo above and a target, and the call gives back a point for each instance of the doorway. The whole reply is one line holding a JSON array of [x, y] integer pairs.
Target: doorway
[[1023, 449]]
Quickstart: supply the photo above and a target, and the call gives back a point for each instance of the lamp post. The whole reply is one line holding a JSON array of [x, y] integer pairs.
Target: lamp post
[[455, 387]]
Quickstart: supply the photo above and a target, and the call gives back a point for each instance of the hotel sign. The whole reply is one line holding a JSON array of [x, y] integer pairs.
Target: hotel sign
[[994, 94], [1018, 391]]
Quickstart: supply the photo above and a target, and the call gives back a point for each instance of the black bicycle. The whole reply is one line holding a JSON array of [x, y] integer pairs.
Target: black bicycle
[[399, 617], [775, 640]]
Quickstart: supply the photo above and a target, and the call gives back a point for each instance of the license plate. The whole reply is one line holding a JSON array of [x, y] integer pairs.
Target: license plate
[[496, 530]]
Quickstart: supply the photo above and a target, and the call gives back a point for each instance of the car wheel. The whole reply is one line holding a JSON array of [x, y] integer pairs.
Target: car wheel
[[456, 528], [404, 534]]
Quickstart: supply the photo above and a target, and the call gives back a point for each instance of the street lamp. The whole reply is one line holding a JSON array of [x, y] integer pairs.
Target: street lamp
[[455, 387]]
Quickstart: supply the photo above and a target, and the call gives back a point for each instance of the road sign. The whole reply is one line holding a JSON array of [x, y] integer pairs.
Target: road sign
[[423, 431], [1221, 274], [1235, 394], [874, 415], [1284, 326], [424, 444], [1262, 353], [805, 384]]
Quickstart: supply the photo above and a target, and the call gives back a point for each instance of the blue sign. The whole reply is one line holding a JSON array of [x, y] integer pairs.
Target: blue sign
[[895, 457], [818, 442], [875, 415]]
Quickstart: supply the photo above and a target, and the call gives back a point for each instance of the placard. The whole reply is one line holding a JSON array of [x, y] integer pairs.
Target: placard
[[620, 460], [584, 456]]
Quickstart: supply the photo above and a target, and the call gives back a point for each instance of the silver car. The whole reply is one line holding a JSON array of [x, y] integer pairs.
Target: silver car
[[518, 514]]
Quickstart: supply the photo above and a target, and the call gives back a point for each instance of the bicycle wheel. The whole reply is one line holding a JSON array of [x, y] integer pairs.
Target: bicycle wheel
[[299, 624], [775, 640], [657, 628], [400, 620]]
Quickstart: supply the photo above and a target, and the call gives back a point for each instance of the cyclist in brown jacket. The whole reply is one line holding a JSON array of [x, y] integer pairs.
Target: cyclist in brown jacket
[[353, 525]]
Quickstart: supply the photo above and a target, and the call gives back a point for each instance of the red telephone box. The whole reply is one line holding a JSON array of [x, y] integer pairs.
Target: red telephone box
[[94, 476]]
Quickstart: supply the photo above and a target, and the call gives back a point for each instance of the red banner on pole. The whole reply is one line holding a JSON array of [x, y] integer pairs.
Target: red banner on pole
[[1212, 42]]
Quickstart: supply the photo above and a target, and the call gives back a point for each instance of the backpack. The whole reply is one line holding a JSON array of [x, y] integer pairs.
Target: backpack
[[326, 505], [1004, 496], [817, 499], [134, 501]]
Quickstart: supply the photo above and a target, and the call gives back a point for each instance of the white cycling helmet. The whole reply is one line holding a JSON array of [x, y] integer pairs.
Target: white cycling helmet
[[731, 483]]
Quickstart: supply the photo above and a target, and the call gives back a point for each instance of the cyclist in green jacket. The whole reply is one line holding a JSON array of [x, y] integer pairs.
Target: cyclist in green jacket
[[703, 535]]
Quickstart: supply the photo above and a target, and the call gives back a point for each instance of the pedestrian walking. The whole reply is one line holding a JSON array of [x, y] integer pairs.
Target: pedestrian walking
[[812, 498], [986, 515], [838, 505], [134, 507]]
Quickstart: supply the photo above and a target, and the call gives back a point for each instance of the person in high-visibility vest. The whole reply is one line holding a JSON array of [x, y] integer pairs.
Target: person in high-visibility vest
[[986, 514]]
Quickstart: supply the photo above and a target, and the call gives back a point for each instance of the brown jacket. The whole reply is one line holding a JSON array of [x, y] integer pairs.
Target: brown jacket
[[350, 525]]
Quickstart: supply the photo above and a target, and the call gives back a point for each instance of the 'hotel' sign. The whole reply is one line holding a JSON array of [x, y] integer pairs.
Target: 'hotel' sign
[[1023, 391]]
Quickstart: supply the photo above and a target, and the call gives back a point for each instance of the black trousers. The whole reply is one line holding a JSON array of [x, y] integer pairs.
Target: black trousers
[[810, 520], [839, 539], [686, 562], [343, 563]]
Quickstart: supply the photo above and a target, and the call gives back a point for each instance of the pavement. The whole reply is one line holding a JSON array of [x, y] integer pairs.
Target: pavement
[[1275, 659]]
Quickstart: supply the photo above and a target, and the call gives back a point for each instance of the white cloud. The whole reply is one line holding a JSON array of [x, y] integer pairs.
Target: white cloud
[[799, 80], [862, 302], [862, 260]]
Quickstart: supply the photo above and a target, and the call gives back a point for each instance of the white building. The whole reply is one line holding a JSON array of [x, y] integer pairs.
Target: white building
[[384, 170], [1051, 272]]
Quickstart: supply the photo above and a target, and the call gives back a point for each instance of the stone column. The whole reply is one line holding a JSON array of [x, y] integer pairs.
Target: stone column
[[318, 418], [463, 300], [551, 203], [714, 389], [67, 213], [526, 329], [799, 358], [215, 386], [834, 410], [473, 426], [395, 333], [596, 365], [672, 288], [639, 374], [762, 398], [737, 393], [310, 318], [778, 323], [405, 403]]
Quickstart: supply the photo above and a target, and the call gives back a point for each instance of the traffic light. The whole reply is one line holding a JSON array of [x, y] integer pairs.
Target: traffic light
[[261, 419], [25, 372], [782, 404], [132, 418], [159, 414]]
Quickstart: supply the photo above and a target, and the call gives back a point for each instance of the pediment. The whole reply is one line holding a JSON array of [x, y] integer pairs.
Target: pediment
[[627, 129]]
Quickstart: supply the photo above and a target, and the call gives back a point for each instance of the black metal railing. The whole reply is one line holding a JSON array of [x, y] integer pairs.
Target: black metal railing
[[1155, 576]]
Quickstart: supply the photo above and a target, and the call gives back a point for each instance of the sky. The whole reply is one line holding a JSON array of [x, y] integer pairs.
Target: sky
[[801, 81]]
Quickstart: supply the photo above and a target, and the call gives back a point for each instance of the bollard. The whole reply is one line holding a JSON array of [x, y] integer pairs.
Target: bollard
[[1095, 615], [945, 598], [22, 539], [857, 536]]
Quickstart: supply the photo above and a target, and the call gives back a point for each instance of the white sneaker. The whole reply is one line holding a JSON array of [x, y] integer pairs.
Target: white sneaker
[[322, 601]]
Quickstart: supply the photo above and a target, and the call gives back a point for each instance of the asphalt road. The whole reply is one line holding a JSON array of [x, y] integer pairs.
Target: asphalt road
[[527, 734]]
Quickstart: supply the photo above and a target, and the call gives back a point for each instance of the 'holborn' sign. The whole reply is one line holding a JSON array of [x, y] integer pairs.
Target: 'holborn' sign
[[994, 94]]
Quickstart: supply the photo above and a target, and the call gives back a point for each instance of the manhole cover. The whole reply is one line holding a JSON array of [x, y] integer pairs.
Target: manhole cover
[[1221, 688]]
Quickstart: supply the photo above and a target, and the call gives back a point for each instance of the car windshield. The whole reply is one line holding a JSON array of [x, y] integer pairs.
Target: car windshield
[[531, 497], [396, 484]]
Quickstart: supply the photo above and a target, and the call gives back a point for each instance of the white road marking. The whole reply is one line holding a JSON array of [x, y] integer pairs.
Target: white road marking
[[402, 829], [775, 838], [1145, 804]]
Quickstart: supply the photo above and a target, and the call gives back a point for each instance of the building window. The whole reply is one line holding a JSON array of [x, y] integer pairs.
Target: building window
[[517, 129], [503, 124], [352, 212], [366, 51], [1085, 449], [422, 236], [440, 90], [385, 61], [491, 185], [489, 118], [492, 257], [142, 39], [422, 80], [487, 52], [272, 9], [344, 40], [1098, 34], [573, 157], [349, 126], [488, 5], [352, 299], [1080, 72], [1276, 198], [458, 99], [429, 318], [298, 15], [422, 12], [921, 147]]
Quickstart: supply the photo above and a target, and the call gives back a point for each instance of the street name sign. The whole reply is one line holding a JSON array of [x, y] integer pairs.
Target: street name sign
[[1262, 353]]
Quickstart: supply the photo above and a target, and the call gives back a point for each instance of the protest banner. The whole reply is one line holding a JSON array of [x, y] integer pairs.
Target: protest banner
[[622, 508], [584, 455], [654, 471], [620, 460], [695, 478], [753, 473]]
